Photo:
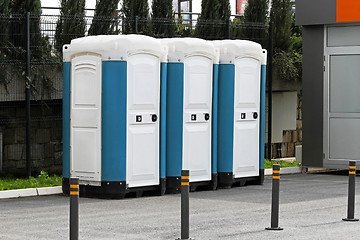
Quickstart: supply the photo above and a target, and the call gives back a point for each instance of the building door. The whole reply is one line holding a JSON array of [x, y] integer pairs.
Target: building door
[[342, 98]]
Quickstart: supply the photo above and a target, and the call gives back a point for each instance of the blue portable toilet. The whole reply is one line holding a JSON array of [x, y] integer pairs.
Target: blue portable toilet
[[113, 115], [191, 112], [241, 112]]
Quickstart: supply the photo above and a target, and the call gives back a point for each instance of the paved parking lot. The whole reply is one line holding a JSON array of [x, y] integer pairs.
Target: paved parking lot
[[311, 207]]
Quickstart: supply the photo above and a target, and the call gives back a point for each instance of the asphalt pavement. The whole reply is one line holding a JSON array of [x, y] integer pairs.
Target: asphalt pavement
[[311, 207]]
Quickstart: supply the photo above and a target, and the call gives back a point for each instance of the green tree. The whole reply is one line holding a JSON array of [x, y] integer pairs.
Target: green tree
[[71, 23], [281, 17], [24, 6], [132, 9], [4, 41], [103, 21], [224, 10], [18, 9], [163, 23], [213, 19], [255, 18], [4, 22], [287, 43]]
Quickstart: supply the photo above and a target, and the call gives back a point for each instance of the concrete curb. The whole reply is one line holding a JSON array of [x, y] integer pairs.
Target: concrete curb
[[30, 192], [289, 170]]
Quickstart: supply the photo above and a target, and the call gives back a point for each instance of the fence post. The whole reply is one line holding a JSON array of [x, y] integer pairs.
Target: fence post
[[351, 193], [270, 67], [179, 9], [228, 31], [74, 208], [136, 24], [185, 218], [275, 199], [27, 97]]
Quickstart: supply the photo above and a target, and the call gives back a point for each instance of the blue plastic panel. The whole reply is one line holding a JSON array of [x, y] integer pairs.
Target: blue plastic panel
[[163, 120], [214, 119], [174, 119], [226, 117], [262, 117], [66, 120], [113, 154]]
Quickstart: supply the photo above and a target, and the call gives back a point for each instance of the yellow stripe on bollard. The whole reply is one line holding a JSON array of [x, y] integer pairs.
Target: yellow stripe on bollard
[[276, 171], [352, 172], [74, 186], [276, 177], [185, 177], [74, 192], [352, 167], [185, 183]]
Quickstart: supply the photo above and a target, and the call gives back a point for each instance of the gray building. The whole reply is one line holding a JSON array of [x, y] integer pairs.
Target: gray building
[[331, 82]]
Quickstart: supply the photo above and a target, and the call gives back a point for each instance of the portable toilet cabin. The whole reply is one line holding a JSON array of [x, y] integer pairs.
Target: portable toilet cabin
[[191, 112], [113, 115], [241, 112]]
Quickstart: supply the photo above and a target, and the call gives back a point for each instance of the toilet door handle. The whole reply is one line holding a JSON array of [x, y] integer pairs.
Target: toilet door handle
[[153, 117], [207, 117]]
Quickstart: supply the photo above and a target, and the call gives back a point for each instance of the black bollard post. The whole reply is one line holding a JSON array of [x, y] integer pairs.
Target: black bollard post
[[275, 199], [74, 208], [351, 193], [185, 205]]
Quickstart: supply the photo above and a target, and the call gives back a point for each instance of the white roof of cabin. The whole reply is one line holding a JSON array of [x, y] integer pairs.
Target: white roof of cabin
[[183, 47], [114, 47], [240, 48]]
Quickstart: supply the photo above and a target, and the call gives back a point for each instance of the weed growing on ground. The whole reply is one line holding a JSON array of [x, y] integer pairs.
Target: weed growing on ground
[[283, 164], [43, 180]]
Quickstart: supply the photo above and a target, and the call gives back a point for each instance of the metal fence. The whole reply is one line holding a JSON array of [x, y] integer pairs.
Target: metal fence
[[45, 46], [47, 34]]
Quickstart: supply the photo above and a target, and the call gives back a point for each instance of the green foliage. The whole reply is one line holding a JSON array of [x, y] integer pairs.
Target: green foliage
[[163, 23], [288, 65], [43, 180], [236, 28], [281, 17], [184, 29], [103, 20], [213, 20], [295, 30], [71, 23], [255, 14], [269, 164], [135, 8], [296, 44]]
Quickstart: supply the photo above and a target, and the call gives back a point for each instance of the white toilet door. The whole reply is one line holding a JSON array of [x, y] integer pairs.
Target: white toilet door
[[198, 75], [85, 119], [246, 117], [143, 101]]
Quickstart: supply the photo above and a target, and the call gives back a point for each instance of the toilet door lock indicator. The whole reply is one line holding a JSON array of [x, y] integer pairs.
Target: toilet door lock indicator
[[243, 115], [138, 118]]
